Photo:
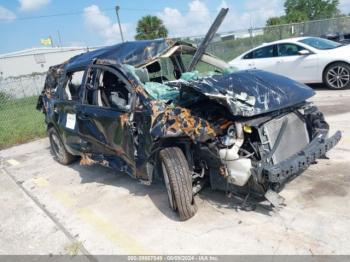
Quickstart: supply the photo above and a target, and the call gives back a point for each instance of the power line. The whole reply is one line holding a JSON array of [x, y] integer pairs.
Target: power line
[[103, 10]]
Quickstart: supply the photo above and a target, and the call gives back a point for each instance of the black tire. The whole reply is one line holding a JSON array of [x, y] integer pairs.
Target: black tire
[[178, 182], [337, 76], [58, 150]]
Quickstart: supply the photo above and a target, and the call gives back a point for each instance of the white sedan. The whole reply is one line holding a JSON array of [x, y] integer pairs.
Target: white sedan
[[304, 59]]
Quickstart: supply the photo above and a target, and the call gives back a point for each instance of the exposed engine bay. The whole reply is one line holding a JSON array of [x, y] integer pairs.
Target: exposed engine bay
[[241, 153]]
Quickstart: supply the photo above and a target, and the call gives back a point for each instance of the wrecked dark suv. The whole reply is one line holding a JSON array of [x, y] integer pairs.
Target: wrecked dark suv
[[135, 107]]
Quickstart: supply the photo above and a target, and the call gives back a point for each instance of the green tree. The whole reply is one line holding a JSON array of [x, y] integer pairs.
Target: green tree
[[276, 21], [150, 27], [301, 10], [305, 10]]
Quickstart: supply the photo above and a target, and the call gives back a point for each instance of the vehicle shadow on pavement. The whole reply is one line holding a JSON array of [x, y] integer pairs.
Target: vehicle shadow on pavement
[[157, 192], [322, 88], [106, 176], [221, 200]]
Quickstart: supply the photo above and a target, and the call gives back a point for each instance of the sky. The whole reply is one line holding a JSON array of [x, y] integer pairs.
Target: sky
[[93, 23]]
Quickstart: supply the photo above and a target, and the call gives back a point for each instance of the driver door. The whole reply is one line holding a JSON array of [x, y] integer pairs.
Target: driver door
[[302, 68], [103, 118]]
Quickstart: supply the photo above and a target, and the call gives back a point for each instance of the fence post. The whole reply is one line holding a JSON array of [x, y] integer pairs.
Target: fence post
[[250, 31], [20, 80]]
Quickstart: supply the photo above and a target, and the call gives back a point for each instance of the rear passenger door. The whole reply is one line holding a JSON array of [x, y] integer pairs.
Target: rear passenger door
[[103, 118], [65, 110], [264, 58]]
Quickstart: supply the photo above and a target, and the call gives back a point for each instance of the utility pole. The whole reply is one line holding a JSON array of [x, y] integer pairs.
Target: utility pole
[[120, 27], [59, 37], [51, 40]]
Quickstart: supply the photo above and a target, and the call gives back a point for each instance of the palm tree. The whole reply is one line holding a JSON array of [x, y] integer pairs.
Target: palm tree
[[150, 27]]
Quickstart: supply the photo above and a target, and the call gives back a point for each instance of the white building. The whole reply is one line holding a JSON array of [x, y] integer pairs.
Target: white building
[[35, 60], [22, 73]]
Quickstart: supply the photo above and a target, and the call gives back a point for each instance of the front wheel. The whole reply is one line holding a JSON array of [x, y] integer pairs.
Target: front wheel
[[178, 182], [337, 76]]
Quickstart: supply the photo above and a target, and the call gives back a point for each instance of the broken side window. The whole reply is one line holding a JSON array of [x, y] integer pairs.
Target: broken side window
[[91, 86], [73, 85], [104, 88]]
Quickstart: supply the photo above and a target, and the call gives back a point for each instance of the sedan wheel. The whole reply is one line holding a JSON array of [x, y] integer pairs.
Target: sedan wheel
[[337, 76]]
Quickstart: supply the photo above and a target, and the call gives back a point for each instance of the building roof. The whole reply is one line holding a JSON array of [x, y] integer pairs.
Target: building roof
[[45, 50]]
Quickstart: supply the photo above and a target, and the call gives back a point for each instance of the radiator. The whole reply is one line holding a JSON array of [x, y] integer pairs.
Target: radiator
[[294, 139]]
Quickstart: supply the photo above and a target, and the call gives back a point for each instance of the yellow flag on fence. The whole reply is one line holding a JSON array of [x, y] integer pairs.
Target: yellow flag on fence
[[46, 41]]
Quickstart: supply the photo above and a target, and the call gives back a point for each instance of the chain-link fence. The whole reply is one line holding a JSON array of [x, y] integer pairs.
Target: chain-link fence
[[229, 45], [20, 121]]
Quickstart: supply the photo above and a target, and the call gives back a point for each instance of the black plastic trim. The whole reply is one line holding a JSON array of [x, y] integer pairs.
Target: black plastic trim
[[293, 166]]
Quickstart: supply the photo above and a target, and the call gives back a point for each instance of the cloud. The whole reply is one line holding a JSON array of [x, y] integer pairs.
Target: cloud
[[264, 9], [195, 22], [344, 6], [32, 5], [6, 15], [198, 18], [98, 22]]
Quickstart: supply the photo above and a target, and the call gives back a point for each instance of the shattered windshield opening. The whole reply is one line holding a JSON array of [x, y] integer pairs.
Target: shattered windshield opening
[[161, 71], [201, 67], [160, 91], [168, 80]]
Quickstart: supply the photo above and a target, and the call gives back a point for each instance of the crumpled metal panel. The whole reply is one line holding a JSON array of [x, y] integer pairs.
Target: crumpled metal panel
[[252, 92], [133, 53], [170, 121]]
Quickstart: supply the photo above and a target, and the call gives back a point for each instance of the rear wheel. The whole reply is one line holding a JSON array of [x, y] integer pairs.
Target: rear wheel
[[178, 182], [58, 150], [337, 76]]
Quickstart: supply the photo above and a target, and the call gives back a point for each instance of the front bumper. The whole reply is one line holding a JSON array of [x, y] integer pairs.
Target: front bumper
[[295, 164]]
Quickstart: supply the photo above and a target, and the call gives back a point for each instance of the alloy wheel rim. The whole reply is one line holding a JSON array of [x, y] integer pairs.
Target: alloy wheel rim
[[338, 77]]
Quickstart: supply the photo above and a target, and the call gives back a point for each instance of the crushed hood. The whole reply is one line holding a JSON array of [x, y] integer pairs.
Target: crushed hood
[[252, 92]]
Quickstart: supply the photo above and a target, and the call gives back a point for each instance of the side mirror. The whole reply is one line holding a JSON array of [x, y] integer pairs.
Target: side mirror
[[304, 52]]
